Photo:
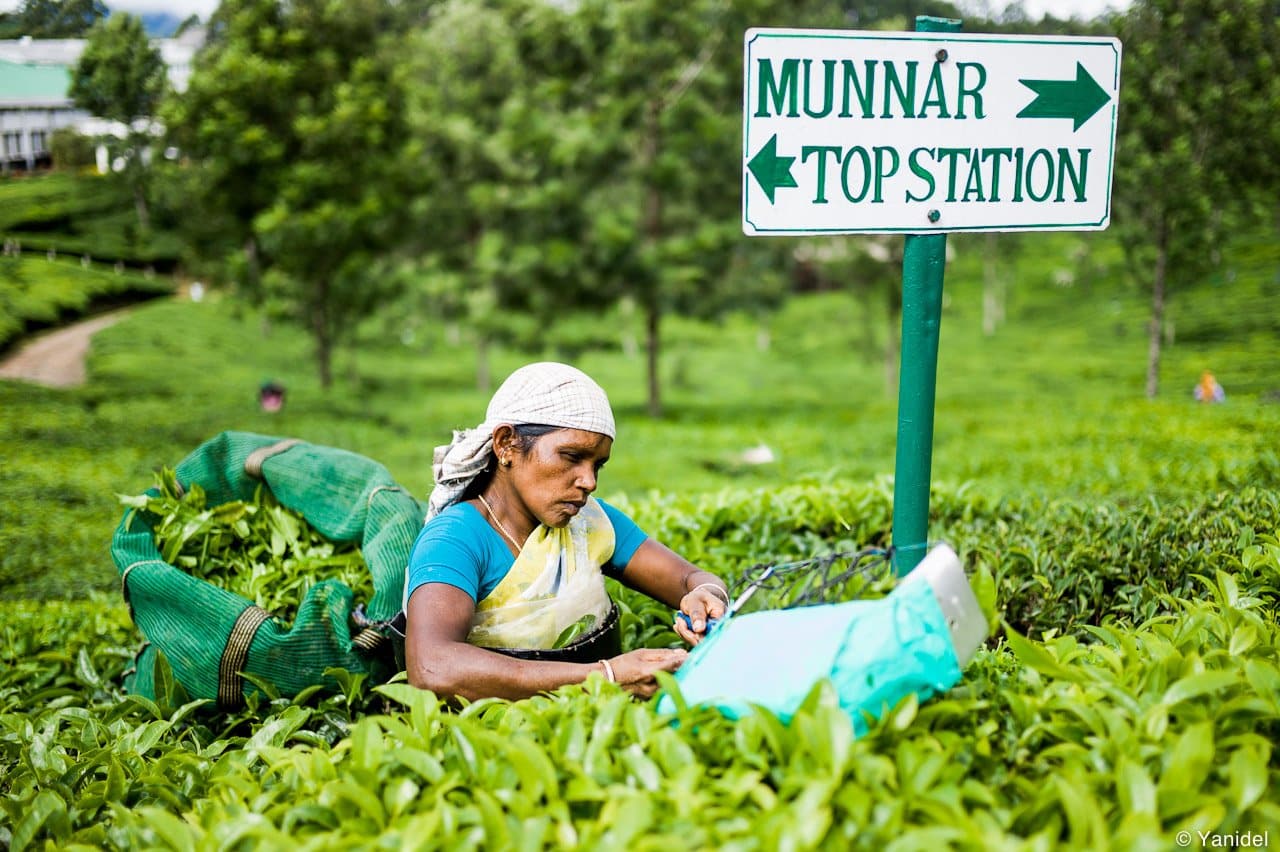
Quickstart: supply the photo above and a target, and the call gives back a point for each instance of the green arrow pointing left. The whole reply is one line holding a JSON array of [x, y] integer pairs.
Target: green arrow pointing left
[[772, 171], [1076, 99]]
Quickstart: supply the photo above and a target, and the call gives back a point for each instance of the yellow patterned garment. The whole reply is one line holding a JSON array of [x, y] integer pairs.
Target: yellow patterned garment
[[554, 582]]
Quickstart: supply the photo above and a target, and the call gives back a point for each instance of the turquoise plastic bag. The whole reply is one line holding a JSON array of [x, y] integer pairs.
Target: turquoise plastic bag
[[874, 652]]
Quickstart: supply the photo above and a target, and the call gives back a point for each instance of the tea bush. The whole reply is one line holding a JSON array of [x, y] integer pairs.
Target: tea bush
[[1132, 544], [36, 292], [1060, 565], [84, 214], [1120, 739]]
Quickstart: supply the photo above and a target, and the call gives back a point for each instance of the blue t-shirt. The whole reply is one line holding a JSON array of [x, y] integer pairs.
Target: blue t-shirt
[[459, 547]]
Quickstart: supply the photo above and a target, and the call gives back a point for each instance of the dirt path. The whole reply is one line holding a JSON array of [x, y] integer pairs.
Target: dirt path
[[56, 359]]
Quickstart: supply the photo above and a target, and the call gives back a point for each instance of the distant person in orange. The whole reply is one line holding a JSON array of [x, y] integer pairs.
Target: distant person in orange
[[1209, 390]]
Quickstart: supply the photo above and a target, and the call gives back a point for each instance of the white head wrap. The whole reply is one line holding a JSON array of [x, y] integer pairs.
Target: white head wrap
[[545, 393]]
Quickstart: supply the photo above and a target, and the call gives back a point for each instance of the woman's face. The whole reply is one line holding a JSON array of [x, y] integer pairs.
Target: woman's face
[[555, 477]]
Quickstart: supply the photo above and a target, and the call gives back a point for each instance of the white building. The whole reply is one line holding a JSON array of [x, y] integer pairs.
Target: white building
[[35, 76]]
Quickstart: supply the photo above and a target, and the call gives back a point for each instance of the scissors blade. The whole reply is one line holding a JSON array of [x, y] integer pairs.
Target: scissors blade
[[742, 599]]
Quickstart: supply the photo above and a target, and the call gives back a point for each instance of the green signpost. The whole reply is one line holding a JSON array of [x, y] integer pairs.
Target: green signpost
[[924, 260], [925, 133]]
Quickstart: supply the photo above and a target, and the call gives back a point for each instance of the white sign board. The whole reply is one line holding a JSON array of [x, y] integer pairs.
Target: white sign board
[[849, 132]]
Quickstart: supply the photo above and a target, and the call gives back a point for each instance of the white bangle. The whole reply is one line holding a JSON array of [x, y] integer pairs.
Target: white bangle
[[713, 587], [608, 672]]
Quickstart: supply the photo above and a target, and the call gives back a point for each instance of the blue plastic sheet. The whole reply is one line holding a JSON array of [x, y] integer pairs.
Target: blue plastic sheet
[[874, 652]]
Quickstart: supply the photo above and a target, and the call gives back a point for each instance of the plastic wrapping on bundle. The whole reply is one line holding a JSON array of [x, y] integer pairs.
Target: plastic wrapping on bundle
[[874, 652]]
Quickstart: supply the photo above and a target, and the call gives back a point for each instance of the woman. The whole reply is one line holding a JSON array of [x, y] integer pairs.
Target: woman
[[515, 550]]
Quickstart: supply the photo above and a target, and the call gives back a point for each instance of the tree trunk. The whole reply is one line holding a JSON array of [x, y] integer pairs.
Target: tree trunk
[[1156, 329], [652, 342], [353, 371], [870, 351], [992, 309], [484, 378], [140, 207], [652, 234], [322, 331], [135, 173], [251, 263], [630, 346]]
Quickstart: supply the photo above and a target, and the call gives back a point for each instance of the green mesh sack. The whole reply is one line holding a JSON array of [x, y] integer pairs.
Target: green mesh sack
[[211, 637]]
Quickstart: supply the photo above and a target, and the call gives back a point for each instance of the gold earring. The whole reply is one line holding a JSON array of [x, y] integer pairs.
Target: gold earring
[[506, 462]]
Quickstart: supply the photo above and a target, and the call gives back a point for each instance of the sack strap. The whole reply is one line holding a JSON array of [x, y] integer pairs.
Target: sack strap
[[369, 640], [253, 464], [236, 654]]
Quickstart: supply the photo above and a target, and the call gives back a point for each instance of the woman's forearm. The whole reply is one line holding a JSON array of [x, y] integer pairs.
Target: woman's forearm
[[664, 575], [456, 669]]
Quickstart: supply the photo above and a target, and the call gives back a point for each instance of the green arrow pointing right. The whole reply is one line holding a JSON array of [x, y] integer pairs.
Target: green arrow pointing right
[[1076, 99], [771, 171]]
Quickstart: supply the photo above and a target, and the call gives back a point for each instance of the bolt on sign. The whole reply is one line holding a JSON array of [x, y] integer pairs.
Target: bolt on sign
[[849, 132]]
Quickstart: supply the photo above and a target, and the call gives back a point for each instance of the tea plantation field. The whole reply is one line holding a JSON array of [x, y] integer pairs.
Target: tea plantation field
[[1129, 700], [72, 246]]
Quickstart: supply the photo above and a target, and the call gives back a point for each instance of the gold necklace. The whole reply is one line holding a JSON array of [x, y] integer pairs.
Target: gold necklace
[[501, 526]]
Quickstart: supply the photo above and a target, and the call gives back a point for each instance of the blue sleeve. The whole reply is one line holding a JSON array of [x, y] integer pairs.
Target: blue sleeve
[[627, 539], [446, 552]]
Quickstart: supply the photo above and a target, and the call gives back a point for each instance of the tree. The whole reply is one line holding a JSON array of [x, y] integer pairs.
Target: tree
[[293, 125], [665, 211], [122, 77], [233, 124], [467, 85], [52, 19], [1197, 137], [501, 99]]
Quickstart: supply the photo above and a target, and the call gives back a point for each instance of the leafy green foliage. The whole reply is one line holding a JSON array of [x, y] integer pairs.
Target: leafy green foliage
[[86, 215], [1047, 409], [1195, 139], [35, 292], [71, 149], [256, 548], [52, 201], [1142, 700], [293, 119], [52, 18], [1120, 739], [1056, 567], [1130, 547], [120, 75], [574, 631]]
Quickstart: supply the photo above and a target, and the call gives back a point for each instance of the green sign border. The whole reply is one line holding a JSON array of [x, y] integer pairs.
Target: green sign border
[[952, 37]]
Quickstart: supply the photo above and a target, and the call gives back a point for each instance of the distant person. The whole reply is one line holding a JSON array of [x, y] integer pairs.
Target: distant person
[[271, 396], [1209, 390]]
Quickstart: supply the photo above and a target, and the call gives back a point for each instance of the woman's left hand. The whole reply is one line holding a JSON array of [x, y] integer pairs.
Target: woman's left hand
[[700, 604]]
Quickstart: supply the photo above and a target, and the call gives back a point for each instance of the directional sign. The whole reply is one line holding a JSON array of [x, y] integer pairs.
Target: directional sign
[[850, 132]]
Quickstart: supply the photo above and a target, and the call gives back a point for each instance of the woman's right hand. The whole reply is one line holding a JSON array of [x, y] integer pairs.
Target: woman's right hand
[[635, 670]]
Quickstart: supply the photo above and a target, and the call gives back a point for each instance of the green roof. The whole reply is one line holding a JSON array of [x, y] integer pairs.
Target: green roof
[[33, 83]]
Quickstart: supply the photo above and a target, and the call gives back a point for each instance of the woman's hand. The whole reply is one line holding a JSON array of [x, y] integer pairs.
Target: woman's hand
[[635, 670], [705, 601]]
